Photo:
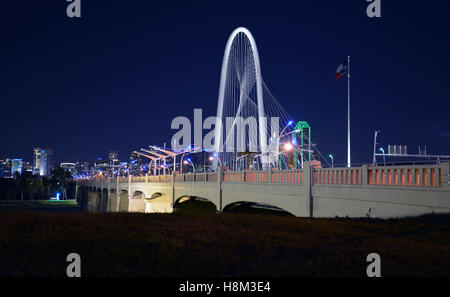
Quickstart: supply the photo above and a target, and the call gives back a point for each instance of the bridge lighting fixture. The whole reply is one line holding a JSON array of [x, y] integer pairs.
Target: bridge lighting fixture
[[288, 146], [188, 161], [332, 159], [282, 131], [384, 157]]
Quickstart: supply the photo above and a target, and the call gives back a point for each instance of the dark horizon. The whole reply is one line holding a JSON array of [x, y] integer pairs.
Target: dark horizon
[[115, 78]]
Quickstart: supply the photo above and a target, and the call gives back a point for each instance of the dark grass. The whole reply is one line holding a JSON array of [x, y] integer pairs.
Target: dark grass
[[183, 244], [39, 205]]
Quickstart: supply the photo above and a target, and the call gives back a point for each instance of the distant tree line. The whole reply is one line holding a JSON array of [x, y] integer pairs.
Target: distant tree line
[[32, 187]]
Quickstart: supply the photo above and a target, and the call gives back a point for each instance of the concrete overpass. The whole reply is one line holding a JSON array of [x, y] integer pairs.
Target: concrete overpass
[[364, 191]]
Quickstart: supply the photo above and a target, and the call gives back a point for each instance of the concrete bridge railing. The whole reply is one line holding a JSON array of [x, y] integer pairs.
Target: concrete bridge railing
[[383, 191]]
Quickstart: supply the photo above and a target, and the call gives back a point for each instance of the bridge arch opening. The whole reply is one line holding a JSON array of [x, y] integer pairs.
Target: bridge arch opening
[[123, 201], [138, 195], [158, 203], [156, 195], [194, 205], [255, 208]]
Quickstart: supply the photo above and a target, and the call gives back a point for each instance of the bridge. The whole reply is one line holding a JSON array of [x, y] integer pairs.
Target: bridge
[[381, 192], [267, 167]]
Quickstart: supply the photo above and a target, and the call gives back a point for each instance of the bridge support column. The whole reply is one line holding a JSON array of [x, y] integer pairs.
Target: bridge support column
[[100, 200], [173, 189], [308, 183], [108, 200], [117, 195], [219, 187], [364, 174], [130, 195]]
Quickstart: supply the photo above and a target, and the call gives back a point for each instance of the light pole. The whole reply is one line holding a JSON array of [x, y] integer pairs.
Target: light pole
[[188, 161], [332, 160], [182, 156], [375, 148], [288, 124], [218, 159], [384, 157]]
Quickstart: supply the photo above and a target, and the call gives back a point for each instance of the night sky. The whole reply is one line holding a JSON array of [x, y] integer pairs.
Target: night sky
[[115, 78]]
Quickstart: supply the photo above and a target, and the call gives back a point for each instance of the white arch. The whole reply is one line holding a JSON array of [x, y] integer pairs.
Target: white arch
[[259, 93]]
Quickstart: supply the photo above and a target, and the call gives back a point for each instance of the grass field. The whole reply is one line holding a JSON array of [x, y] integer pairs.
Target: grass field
[[39, 205], [180, 244]]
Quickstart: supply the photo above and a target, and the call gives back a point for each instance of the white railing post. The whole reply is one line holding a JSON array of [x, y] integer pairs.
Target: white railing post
[[445, 171], [420, 176], [428, 171], [437, 175], [364, 174]]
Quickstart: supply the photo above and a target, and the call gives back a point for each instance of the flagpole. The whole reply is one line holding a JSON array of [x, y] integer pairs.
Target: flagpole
[[348, 113]]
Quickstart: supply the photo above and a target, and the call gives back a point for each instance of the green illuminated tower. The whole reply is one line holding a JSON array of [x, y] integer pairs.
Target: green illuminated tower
[[303, 133]]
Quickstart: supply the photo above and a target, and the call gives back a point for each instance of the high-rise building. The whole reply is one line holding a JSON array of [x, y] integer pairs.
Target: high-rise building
[[42, 161], [113, 158], [37, 160], [16, 167], [70, 167], [5, 168], [27, 167]]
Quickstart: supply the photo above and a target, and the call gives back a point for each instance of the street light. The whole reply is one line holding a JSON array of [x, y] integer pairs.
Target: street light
[[375, 148], [218, 159], [288, 146], [384, 157], [332, 160], [188, 161], [189, 150], [288, 124]]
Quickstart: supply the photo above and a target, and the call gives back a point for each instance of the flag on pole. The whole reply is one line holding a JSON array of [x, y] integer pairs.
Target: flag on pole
[[342, 69]]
